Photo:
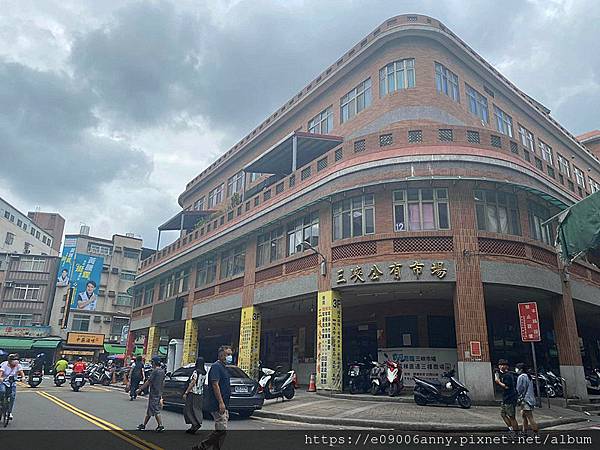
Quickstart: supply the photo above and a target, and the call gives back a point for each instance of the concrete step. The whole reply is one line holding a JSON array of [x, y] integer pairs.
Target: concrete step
[[589, 407]]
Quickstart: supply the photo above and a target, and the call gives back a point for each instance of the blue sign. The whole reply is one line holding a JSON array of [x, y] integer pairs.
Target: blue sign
[[82, 272]]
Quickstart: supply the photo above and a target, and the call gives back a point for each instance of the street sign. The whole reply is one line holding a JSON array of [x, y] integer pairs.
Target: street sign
[[530, 322]]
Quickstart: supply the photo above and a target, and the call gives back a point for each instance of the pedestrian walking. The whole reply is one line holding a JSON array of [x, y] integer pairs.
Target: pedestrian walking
[[192, 412], [526, 397], [507, 381], [156, 382], [218, 392], [135, 377]]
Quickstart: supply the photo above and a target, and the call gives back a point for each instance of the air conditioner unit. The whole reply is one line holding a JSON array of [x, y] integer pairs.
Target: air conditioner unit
[[111, 293], [115, 270], [8, 284], [97, 319], [106, 319], [118, 249]]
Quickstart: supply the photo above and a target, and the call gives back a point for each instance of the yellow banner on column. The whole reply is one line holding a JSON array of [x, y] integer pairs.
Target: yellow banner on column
[[329, 341], [190, 342], [152, 342], [249, 340]]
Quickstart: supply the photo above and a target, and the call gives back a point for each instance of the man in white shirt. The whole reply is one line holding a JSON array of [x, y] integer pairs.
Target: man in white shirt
[[11, 368]]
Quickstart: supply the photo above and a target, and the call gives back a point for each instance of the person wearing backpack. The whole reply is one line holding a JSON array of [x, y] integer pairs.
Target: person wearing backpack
[[526, 397], [192, 412], [136, 376]]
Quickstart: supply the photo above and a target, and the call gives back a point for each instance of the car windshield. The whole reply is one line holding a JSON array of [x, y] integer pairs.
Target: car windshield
[[236, 372]]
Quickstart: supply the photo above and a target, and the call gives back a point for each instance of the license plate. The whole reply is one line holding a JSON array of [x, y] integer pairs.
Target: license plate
[[36, 379], [243, 389], [78, 380], [61, 378]]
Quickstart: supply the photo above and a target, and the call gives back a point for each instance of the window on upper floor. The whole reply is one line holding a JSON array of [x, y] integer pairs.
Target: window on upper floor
[[322, 123], [131, 254], [233, 261], [199, 204], [181, 284], [396, 76], [26, 292], [497, 212], [123, 299], [355, 101], [354, 217], [255, 176], [270, 247], [300, 230], [17, 320], [421, 209], [446, 82], [81, 322], [579, 177], [563, 165], [235, 184], [206, 270], [10, 238], [137, 297], [32, 264], [127, 275], [7, 214], [538, 215], [478, 104], [19, 223], [504, 122], [148, 294], [99, 249], [594, 186], [546, 152], [215, 196], [526, 138]]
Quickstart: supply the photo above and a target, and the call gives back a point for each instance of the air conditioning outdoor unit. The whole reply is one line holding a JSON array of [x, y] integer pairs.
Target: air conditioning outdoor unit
[[107, 319], [97, 319], [9, 284], [115, 270]]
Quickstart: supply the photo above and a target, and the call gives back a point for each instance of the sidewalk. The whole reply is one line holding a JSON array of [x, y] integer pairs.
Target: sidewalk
[[404, 415]]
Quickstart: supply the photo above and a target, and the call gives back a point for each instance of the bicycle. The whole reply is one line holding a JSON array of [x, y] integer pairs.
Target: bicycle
[[5, 401]]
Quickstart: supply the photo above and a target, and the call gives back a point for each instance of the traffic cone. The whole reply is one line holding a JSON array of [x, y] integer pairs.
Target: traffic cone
[[312, 387]]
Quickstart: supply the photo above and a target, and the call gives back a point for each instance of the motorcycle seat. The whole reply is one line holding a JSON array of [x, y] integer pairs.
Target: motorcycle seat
[[280, 378]]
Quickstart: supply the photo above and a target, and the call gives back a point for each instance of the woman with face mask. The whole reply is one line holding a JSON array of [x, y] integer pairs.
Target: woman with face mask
[[192, 412]]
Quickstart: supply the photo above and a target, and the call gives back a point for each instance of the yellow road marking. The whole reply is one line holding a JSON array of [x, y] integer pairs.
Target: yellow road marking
[[96, 388], [101, 423]]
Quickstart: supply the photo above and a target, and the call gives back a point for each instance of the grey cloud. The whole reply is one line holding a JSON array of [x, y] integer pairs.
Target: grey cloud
[[50, 147]]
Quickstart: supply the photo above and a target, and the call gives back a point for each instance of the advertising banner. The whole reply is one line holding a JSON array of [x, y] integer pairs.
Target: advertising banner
[[82, 272], [24, 331], [428, 363]]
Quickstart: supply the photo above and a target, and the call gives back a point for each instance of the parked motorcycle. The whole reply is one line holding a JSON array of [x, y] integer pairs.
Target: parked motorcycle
[[378, 378], [550, 384], [59, 378], [35, 377], [395, 378], [77, 381], [99, 374], [592, 380], [276, 384], [428, 391], [359, 377]]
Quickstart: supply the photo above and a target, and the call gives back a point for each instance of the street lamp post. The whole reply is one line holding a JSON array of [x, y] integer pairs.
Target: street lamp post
[[306, 244]]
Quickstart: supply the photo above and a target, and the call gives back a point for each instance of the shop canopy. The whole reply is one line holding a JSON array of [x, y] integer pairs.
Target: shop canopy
[[294, 151], [579, 228], [7, 344], [46, 343], [112, 349]]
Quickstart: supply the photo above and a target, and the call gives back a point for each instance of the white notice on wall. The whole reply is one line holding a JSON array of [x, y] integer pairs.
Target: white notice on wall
[[406, 339]]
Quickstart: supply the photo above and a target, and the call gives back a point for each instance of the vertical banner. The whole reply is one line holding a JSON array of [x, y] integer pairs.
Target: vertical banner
[[529, 322], [329, 341], [86, 279], [152, 342], [249, 352], [190, 341]]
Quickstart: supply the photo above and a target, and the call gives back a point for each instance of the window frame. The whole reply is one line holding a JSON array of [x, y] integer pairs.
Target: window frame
[[206, 268], [37, 264], [511, 205], [270, 247], [35, 290], [215, 196], [527, 138], [504, 122], [199, 204], [474, 97], [436, 201], [80, 319], [400, 69], [579, 176], [322, 123], [346, 207], [99, 249], [305, 228], [537, 214], [446, 82], [546, 152], [232, 262], [349, 102], [235, 183]]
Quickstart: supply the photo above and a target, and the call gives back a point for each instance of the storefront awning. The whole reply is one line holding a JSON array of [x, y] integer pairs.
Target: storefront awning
[[295, 150], [138, 351], [46, 343], [112, 349], [7, 344]]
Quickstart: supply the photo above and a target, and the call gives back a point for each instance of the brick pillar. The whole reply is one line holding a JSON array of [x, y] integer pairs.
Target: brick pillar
[[190, 342], [249, 343], [329, 341], [129, 346], [567, 341], [152, 341], [469, 302]]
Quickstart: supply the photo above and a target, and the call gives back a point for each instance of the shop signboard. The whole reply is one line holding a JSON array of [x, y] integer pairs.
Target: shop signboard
[[428, 363], [85, 339], [24, 331], [529, 322]]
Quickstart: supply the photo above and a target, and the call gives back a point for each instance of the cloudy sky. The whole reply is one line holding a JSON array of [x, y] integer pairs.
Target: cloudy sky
[[107, 109]]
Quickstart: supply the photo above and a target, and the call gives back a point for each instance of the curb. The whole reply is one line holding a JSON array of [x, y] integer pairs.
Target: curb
[[387, 399], [407, 426]]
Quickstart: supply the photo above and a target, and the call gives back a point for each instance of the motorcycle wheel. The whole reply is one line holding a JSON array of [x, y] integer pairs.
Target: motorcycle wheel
[[106, 382], [392, 389], [374, 389], [353, 388], [289, 392], [75, 388], [464, 401], [92, 382], [420, 400], [550, 392]]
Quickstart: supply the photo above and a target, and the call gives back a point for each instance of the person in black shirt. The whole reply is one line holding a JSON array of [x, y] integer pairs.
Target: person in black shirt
[[507, 381], [136, 376], [217, 397]]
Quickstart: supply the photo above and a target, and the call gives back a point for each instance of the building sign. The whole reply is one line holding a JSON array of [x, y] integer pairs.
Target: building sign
[[414, 270], [249, 343], [82, 272], [329, 341], [530, 322], [428, 363], [78, 352], [24, 331], [475, 347], [86, 339]]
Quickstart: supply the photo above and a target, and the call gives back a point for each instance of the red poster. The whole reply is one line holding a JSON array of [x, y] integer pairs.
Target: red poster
[[475, 348], [529, 322]]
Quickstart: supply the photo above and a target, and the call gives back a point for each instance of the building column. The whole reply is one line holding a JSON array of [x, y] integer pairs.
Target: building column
[[249, 343], [152, 342], [469, 302], [567, 341], [130, 345], [329, 341], [190, 342]]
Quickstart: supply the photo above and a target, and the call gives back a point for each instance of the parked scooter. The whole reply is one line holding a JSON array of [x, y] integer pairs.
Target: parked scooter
[[35, 377], [77, 381], [592, 380], [378, 378], [427, 391], [555, 384], [276, 384], [395, 378], [359, 377], [59, 378]]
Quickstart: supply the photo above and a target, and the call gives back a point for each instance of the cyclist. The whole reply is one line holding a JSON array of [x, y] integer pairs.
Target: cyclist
[[9, 368]]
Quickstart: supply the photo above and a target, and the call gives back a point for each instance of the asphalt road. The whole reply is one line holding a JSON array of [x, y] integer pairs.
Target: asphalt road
[[62, 416]]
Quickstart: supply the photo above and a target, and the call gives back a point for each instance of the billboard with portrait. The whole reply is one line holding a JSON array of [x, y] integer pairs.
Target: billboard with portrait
[[82, 272], [66, 263]]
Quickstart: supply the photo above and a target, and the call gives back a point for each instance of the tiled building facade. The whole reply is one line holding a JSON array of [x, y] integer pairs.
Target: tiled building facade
[[395, 204]]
